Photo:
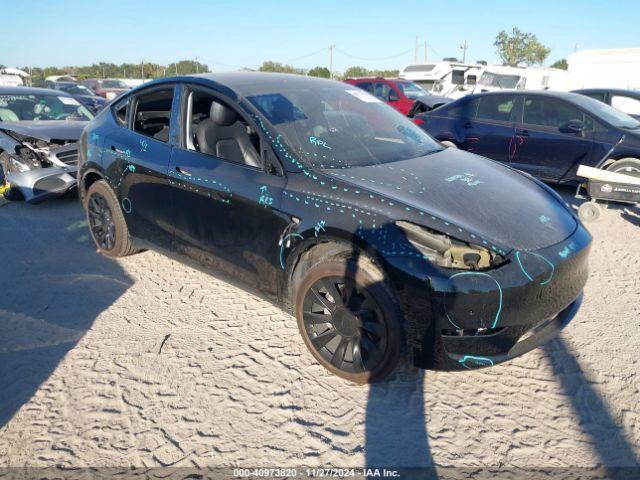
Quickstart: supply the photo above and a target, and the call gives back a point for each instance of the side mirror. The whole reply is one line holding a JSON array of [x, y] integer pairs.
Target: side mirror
[[572, 126], [393, 96]]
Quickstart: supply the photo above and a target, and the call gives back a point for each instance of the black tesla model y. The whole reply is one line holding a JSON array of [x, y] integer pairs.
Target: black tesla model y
[[382, 243]]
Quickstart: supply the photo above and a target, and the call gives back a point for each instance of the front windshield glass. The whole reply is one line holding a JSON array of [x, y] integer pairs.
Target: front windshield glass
[[411, 90], [490, 79], [14, 108], [112, 84], [341, 126], [76, 89], [611, 115]]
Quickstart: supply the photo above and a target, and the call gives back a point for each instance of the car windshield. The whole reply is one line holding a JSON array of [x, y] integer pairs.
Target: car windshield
[[411, 90], [341, 126], [75, 89], [14, 108], [112, 84], [490, 79], [609, 114]]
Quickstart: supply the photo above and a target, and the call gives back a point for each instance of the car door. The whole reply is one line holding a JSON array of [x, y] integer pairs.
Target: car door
[[488, 126], [138, 154], [229, 212], [545, 146]]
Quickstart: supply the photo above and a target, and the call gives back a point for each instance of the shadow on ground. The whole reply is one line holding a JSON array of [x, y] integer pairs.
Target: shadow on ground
[[53, 285]]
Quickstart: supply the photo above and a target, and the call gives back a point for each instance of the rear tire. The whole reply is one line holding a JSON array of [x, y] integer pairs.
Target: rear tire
[[348, 318], [626, 166], [106, 221]]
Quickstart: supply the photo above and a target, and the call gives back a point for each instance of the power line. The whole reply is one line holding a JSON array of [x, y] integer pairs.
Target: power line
[[374, 59], [307, 55]]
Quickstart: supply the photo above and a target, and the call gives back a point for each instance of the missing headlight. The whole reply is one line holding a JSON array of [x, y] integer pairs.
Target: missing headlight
[[449, 252]]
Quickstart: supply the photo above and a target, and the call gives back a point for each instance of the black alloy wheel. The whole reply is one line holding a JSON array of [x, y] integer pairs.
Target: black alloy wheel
[[101, 222]]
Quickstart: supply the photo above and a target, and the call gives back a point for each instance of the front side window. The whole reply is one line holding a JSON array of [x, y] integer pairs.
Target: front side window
[[340, 126], [42, 107], [549, 112], [495, 107], [120, 112], [153, 114], [629, 105], [215, 128], [411, 90], [382, 91]]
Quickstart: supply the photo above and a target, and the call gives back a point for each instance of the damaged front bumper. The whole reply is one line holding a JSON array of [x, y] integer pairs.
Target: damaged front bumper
[[36, 186]]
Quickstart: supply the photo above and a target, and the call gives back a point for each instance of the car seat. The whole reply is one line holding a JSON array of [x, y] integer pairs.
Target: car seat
[[223, 134]]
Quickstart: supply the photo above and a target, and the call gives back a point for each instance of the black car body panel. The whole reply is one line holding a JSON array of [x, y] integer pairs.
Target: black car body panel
[[254, 223], [549, 149]]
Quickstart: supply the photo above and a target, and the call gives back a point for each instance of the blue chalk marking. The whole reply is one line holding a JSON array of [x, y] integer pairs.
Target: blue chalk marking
[[126, 205], [544, 219], [478, 360], [495, 321], [526, 274]]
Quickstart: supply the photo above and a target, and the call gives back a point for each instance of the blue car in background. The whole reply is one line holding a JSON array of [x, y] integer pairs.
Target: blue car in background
[[83, 94], [546, 134]]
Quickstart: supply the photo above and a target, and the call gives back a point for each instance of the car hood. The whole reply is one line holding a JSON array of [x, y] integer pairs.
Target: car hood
[[471, 192], [46, 130], [431, 100]]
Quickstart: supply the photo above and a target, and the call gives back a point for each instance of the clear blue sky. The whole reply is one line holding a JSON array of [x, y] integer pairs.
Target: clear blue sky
[[227, 33]]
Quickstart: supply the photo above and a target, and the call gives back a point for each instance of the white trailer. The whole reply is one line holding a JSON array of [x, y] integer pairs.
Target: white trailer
[[450, 79], [606, 68], [496, 78]]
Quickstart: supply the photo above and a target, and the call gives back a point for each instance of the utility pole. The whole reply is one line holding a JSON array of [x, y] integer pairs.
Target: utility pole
[[415, 52], [425, 51], [464, 47], [331, 47], [176, 64], [142, 69], [197, 66]]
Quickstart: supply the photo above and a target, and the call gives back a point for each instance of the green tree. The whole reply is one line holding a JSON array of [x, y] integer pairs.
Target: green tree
[[520, 47], [562, 64], [356, 72], [270, 66], [185, 67], [322, 72]]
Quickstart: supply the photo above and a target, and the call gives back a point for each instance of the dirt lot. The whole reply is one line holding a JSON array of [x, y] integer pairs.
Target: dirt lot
[[83, 380]]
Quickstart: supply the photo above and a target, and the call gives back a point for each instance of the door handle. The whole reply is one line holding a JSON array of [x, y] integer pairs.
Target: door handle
[[183, 171], [522, 133]]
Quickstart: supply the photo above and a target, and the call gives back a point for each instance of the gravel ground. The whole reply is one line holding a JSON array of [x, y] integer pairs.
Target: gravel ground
[[147, 362]]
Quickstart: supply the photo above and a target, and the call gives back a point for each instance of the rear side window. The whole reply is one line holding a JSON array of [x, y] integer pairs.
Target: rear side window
[[495, 107], [597, 95], [365, 86], [550, 112], [153, 114], [466, 110], [629, 105]]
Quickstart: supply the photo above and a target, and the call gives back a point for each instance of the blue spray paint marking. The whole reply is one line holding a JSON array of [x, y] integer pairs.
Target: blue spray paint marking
[[285, 243], [126, 205], [143, 145], [265, 199], [468, 178], [483, 361], [319, 227], [319, 142], [544, 219], [526, 274], [495, 321]]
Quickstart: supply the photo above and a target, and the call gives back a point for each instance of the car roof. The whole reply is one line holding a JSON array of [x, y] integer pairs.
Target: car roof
[[234, 84], [32, 91], [545, 93], [623, 91]]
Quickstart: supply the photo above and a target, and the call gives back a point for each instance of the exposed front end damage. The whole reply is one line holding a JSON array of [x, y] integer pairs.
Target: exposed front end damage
[[36, 170]]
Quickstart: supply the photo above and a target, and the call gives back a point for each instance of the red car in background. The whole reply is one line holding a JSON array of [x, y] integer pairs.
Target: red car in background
[[108, 88], [407, 97]]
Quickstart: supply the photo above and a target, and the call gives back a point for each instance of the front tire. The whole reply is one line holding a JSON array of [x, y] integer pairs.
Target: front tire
[[106, 221], [348, 318]]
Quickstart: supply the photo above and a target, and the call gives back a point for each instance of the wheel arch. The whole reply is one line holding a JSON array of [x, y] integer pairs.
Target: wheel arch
[[331, 242], [89, 177]]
